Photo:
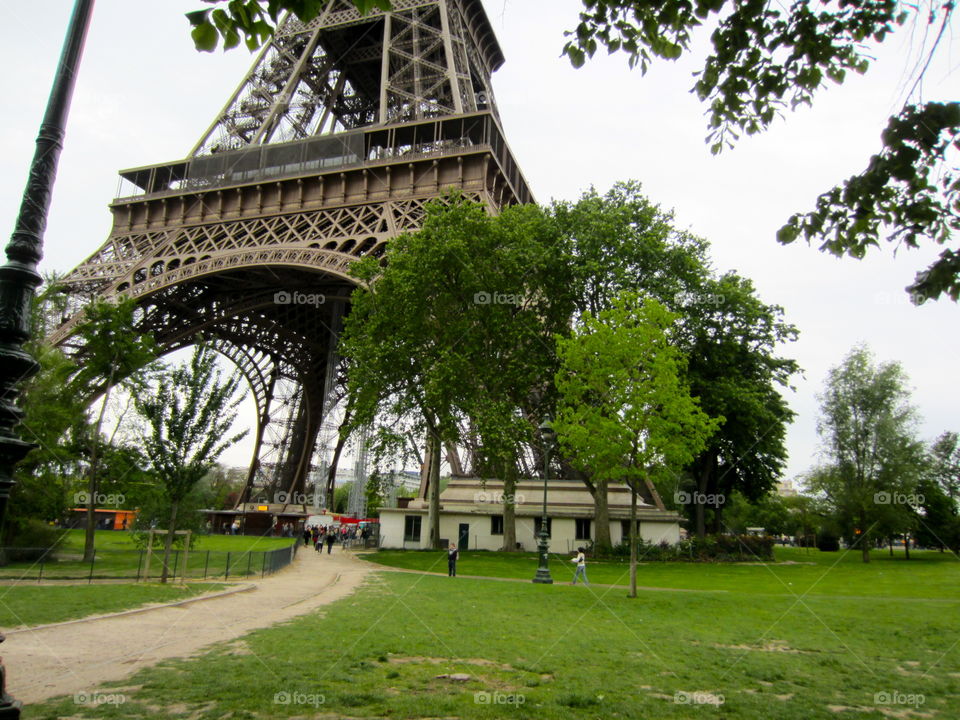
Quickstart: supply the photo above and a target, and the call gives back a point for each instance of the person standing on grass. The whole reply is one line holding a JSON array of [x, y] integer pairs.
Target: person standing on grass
[[581, 571], [452, 555]]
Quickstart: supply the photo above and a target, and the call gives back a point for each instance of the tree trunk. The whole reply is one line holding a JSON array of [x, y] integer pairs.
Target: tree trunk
[[633, 541], [509, 507], [602, 545], [433, 514], [864, 540], [703, 481], [890, 543], [93, 486], [717, 519], [906, 546], [168, 542]]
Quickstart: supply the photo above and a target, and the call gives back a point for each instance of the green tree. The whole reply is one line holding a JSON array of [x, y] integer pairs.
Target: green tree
[[945, 464], [875, 462], [113, 350], [767, 58], [732, 338], [621, 241], [187, 417], [624, 411], [938, 522], [455, 329]]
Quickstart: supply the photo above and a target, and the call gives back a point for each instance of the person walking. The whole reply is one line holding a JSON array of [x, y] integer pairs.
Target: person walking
[[329, 541], [306, 535], [581, 571], [452, 555]]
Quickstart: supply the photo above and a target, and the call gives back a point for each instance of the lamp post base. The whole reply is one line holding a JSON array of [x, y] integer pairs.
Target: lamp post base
[[543, 571], [543, 577]]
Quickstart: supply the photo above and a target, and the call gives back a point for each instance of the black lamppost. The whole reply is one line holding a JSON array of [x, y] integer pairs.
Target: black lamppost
[[547, 435], [19, 277]]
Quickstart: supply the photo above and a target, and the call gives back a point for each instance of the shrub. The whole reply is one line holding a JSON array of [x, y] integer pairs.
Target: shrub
[[712, 548], [828, 542], [32, 540]]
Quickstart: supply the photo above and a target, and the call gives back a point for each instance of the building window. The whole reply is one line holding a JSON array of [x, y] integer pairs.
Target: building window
[[411, 528], [496, 524], [625, 530], [537, 523], [583, 528]]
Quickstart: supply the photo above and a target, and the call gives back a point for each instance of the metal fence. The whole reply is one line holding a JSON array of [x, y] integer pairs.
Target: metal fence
[[45, 564]]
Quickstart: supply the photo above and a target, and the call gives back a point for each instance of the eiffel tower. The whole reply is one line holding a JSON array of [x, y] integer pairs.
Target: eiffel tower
[[341, 131]]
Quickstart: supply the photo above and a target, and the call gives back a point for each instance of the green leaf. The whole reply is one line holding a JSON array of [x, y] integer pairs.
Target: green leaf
[[205, 37]]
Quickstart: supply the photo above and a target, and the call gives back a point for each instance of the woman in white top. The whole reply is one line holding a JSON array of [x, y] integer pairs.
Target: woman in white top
[[581, 561]]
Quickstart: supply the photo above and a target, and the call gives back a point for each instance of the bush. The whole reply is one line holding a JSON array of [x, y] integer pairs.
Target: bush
[[32, 540], [712, 548], [828, 543]]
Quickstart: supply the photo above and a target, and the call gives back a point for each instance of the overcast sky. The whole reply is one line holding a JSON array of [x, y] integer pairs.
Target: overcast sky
[[144, 96]]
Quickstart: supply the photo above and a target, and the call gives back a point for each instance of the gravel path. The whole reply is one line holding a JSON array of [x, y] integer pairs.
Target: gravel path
[[76, 657]]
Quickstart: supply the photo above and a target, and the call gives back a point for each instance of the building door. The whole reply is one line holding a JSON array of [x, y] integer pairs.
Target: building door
[[464, 536]]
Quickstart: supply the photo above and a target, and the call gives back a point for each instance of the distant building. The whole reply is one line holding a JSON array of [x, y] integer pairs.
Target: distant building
[[785, 488], [471, 514]]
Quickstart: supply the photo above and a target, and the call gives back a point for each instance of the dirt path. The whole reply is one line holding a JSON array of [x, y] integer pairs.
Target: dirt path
[[77, 657]]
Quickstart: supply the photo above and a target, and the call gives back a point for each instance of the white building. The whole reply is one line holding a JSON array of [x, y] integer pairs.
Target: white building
[[471, 514]]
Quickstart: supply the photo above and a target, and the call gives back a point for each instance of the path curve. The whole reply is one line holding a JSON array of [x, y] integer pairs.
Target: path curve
[[77, 658]]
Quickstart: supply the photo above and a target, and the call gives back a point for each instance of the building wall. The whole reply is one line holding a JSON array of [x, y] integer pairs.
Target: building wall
[[563, 531]]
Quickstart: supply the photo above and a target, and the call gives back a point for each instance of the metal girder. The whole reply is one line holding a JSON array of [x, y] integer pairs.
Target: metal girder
[[220, 246]]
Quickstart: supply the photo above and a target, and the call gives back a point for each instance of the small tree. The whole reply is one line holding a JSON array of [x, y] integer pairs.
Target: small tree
[[113, 350], [187, 419], [624, 412]]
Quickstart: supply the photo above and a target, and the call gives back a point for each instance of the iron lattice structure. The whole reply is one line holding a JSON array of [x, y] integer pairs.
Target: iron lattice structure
[[339, 134]]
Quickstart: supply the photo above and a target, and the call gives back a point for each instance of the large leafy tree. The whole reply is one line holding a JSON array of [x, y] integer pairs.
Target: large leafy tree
[[624, 412], [616, 242], [732, 339], [767, 58], [874, 461], [187, 416], [452, 334]]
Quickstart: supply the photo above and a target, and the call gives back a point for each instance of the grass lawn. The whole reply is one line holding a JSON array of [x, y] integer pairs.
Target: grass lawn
[[119, 540], [118, 557], [762, 649], [928, 574], [30, 605]]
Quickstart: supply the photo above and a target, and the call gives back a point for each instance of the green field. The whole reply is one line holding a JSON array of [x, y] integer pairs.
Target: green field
[[117, 557], [29, 605], [928, 574], [740, 643]]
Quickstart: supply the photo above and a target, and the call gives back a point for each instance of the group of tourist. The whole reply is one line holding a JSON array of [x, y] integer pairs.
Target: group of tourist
[[321, 535]]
